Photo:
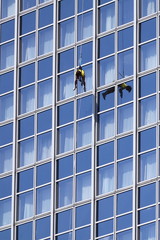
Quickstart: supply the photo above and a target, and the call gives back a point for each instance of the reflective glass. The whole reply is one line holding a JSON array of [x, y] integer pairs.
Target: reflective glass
[[45, 40], [65, 113], [7, 8], [64, 221], [148, 56], [99, 3], [106, 179], [6, 107], [66, 30], [85, 23], [104, 208], [147, 195], [65, 167], [84, 107], [43, 174], [125, 96], [44, 120], [65, 87], [125, 11], [6, 158], [83, 160], [6, 234], [26, 75], [26, 127], [127, 144], [6, 82], [25, 205], [84, 53], [125, 118], [65, 192], [43, 228], [28, 22], [147, 165], [44, 146], [147, 108], [104, 228], [43, 1], [66, 8], [9, 34], [6, 134], [44, 68], [84, 5], [83, 215], [43, 198], [5, 186], [65, 139], [7, 55], [83, 233], [25, 180], [27, 4], [147, 30], [147, 232], [107, 17], [84, 132], [146, 215], [124, 202], [26, 152], [105, 153], [106, 45], [106, 99], [83, 186], [124, 235], [125, 173], [106, 125], [45, 93], [124, 221], [106, 68], [45, 16], [5, 212], [125, 38], [27, 99], [147, 7], [147, 84], [144, 144], [125, 64], [24, 231], [66, 236], [62, 63], [27, 47]]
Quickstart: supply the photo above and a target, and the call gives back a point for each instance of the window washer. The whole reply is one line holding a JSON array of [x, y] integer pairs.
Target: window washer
[[80, 75], [108, 91], [121, 87]]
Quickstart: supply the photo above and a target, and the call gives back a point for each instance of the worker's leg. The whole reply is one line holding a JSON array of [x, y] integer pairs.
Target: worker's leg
[[108, 91], [121, 92], [75, 84], [128, 88], [83, 83]]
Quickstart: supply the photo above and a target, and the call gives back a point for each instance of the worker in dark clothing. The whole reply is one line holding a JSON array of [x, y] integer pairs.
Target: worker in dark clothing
[[108, 91], [80, 75], [121, 87]]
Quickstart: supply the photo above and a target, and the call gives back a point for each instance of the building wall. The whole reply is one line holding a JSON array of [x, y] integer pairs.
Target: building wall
[[78, 164]]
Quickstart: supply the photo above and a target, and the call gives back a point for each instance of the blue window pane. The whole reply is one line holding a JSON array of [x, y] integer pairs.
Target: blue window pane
[[44, 146], [6, 234], [46, 16], [5, 212], [7, 55], [64, 221], [104, 208], [66, 8], [27, 4], [125, 235], [27, 74], [106, 125], [84, 107], [147, 7], [27, 99], [83, 160], [83, 215], [5, 186], [24, 231], [43, 198], [26, 152], [106, 99], [85, 23], [147, 195], [147, 232], [65, 113], [105, 153], [147, 30], [84, 132], [107, 17], [25, 180], [43, 1], [27, 23], [44, 120], [66, 84], [25, 205], [125, 173], [45, 41], [102, 2], [84, 53], [147, 84], [45, 93], [126, 144], [66, 30], [147, 165], [7, 8], [125, 64], [65, 167], [6, 134], [65, 139], [124, 221], [125, 38], [6, 82], [6, 107], [26, 127], [144, 136], [42, 228], [9, 34], [6, 158], [106, 68], [83, 186], [43, 174], [83, 233], [147, 109], [147, 215], [124, 202], [84, 5], [45, 68], [126, 96], [66, 236], [106, 45], [148, 56], [65, 192], [27, 47], [125, 11], [62, 63], [104, 228], [106, 179]]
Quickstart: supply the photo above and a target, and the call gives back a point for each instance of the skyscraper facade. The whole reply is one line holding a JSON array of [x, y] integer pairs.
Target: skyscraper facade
[[79, 164]]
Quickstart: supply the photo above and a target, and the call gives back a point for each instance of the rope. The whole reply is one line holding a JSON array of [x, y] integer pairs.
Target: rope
[[80, 60]]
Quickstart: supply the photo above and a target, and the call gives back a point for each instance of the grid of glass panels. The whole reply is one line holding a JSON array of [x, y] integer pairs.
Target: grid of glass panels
[[79, 164]]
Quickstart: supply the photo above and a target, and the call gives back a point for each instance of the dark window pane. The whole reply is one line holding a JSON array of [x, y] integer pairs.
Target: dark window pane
[[62, 63], [24, 231], [147, 215], [5, 186], [26, 74], [147, 139], [44, 120], [25, 180], [147, 195], [104, 208], [6, 134], [84, 107], [84, 5], [83, 233], [28, 22], [105, 153], [124, 202], [83, 160], [125, 146], [147, 84], [84, 53], [65, 167], [42, 228], [64, 221], [46, 16], [106, 99], [65, 113], [104, 228], [147, 30], [43, 174], [66, 8], [124, 221], [83, 215], [125, 38], [6, 234], [125, 11], [106, 45], [45, 68], [6, 82], [7, 31], [26, 127]]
